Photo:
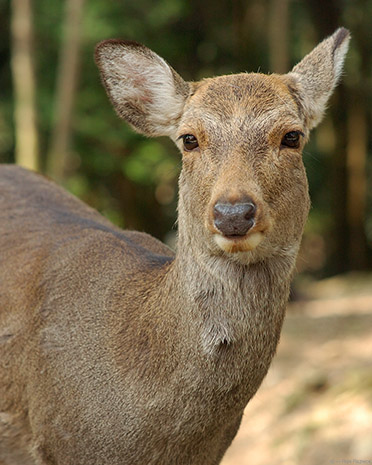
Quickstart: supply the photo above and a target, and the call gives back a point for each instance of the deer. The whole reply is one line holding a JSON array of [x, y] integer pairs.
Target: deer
[[113, 348]]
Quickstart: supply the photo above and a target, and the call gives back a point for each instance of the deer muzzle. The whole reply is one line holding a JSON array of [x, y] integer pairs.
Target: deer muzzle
[[234, 219], [237, 225]]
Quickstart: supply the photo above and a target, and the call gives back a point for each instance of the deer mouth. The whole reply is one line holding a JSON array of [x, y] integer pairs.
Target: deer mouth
[[235, 243]]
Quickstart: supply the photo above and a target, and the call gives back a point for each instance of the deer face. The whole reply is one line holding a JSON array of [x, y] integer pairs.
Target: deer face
[[241, 137]]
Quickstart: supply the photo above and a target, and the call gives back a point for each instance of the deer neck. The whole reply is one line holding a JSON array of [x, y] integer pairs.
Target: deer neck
[[232, 303]]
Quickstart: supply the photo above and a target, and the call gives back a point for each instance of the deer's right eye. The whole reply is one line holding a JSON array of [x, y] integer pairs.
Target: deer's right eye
[[190, 142]]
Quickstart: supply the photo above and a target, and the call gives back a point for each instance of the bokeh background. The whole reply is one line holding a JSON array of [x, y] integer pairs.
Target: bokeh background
[[55, 118]]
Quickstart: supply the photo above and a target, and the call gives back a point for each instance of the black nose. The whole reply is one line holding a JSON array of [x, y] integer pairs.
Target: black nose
[[234, 219]]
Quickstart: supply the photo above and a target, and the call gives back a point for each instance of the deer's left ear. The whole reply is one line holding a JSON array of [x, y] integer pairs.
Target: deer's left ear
[[315, 77]]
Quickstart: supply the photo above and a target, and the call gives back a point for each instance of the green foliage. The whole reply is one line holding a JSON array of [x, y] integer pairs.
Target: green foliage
[[150, 164]]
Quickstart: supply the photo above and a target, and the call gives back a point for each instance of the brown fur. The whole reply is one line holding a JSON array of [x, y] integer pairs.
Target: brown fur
[[113, 350]]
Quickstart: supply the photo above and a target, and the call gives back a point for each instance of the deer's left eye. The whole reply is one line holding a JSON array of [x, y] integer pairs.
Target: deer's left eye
[[292, 139]]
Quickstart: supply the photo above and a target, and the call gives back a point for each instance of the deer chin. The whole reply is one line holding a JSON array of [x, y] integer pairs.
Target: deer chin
[[235, 244]]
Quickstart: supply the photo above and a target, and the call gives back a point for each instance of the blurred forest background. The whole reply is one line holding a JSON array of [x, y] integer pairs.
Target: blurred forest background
[[315, 406], [56, 118]]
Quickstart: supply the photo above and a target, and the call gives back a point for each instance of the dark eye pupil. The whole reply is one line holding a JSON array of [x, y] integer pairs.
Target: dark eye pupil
[[291, 139], [190, 142]]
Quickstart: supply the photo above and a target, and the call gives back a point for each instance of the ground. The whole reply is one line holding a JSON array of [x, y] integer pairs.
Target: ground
[[315, 405]]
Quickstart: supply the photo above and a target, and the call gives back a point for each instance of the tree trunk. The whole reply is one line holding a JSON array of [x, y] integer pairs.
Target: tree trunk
[[278, 36], [326, 17], [339, 237], [58, 155], [357, 183], [26, 138]]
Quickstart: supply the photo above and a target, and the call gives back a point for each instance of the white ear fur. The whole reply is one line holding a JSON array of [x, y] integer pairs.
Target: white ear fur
[[316, 76], [143, 88]]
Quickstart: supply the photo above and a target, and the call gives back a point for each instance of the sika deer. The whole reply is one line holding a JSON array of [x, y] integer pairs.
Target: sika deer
[[114, 350]]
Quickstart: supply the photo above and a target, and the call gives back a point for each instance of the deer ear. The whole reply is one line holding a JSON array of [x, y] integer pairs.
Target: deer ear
[[144, 90], [315, 77]]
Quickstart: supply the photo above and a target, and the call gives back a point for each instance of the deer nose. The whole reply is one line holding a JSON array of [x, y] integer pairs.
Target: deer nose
[[234, 219]]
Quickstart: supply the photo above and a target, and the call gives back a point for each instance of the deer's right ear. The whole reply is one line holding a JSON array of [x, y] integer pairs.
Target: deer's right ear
[[144, 89]]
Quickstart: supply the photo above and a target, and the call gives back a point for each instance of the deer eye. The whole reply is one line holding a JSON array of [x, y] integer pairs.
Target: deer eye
[[190, 142], [292, 139]]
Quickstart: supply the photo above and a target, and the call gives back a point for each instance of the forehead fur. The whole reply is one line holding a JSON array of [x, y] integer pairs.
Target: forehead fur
[[253, 93]]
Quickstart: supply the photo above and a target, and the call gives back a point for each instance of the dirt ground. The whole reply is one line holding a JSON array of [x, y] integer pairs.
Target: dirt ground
[[315, 405]]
